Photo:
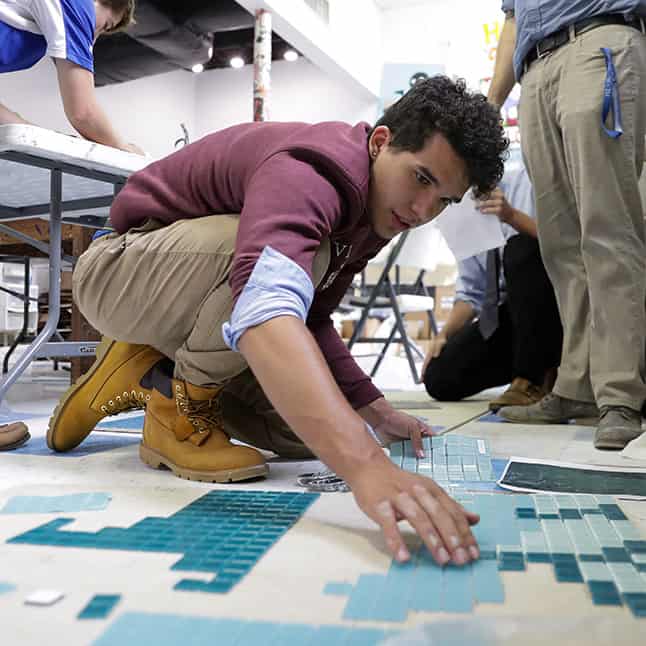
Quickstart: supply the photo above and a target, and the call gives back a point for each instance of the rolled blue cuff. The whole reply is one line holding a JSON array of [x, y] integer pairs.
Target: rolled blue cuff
[[277, 287]]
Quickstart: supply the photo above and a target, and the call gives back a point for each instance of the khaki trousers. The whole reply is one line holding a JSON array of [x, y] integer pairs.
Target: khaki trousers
[[589, 211], [167, 287]]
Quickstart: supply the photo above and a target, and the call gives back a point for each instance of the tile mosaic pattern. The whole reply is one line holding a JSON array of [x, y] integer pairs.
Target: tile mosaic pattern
[[99, 606], [587, 539], [448, 459], [134, 629], [53, 504], [224, 533]]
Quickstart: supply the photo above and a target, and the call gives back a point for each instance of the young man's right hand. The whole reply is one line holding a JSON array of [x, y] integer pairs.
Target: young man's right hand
[[387, 494]]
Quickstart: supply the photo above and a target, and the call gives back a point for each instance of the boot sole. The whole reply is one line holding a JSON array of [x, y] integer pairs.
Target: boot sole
[[17, 444], [101, 351], [158, 461]]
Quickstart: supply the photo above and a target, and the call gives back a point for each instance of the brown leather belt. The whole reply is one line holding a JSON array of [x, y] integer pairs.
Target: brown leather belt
[[562, 36]]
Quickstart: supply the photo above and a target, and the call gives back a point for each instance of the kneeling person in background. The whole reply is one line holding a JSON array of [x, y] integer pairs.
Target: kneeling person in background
[[504, 326]]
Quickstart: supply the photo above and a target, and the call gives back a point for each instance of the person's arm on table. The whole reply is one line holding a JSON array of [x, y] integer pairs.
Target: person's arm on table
[[503, 79], [82, 109], [287, 362]]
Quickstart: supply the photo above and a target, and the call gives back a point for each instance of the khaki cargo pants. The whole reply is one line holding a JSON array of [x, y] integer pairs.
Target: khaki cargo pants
[[589, 211], [167, 287]]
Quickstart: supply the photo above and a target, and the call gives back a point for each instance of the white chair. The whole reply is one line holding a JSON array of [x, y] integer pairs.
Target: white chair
[[425, 251]]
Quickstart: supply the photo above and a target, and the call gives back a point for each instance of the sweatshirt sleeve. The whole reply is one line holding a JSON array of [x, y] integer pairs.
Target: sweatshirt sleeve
[[290, 207], [353, 382]]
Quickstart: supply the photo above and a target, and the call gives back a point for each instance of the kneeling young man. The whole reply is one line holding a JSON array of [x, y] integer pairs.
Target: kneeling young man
[[228, 259]]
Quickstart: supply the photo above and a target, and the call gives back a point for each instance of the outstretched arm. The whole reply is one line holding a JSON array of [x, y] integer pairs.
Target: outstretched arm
[[287, 362], [82, 109]]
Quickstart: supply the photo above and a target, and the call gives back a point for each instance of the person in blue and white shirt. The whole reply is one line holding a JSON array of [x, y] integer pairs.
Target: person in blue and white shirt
[[64, 30], [524, 344]]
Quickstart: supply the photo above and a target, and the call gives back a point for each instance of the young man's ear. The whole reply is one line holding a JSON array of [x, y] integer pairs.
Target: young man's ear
[[380, 138]]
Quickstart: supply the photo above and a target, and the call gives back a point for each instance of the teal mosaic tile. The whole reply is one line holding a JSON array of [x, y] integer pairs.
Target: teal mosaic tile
[[582, 547], [224, 533], [134, 629], [455, 461], [338, 589], [53, 504], [99, 606]]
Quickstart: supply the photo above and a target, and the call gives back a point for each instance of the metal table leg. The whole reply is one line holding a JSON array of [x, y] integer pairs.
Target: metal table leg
[[55, 249]]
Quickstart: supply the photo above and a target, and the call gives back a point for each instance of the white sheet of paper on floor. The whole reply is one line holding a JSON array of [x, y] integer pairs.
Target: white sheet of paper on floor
[[44, 597], [636, 450], [467, 231], [554, 477]]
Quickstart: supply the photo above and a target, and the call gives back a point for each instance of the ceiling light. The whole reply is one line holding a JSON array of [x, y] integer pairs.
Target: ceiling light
[[197, 68], [237, 62], [290, 55]]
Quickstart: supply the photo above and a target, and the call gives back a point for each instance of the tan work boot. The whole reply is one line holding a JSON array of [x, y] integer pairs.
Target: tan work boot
[[112, 385], [521, 392], [13, 435], [184, 432]]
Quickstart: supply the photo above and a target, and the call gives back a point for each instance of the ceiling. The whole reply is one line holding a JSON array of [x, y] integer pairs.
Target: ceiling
[[170, 35]]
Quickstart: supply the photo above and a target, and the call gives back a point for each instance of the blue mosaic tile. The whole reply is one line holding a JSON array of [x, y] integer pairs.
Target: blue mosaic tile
[[6, 587], [582, 548], [455, 461], [338, 589], [224, 533], [134, 629], [53, 504], [99, 606]]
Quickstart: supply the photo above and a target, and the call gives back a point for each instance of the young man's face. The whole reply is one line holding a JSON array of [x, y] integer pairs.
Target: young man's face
[[106, 18], [410, 189]]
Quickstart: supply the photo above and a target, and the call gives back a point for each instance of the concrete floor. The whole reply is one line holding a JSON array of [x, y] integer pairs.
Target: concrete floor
[[333, 541]]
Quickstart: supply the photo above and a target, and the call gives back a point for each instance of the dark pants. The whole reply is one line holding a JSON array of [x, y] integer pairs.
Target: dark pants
[[526, 344]]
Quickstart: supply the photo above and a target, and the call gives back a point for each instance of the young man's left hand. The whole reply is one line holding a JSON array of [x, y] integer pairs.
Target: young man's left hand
[[391, 425]]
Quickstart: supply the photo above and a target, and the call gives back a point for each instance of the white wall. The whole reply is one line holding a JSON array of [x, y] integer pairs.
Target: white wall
[[300, 92], [445, 32], [147, 111]]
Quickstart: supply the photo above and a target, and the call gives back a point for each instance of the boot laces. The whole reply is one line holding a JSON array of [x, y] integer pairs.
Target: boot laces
[[203, 415], [125, 401]]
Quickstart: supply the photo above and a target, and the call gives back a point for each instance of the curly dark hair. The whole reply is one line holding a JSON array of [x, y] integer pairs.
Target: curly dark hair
[[470, 124]]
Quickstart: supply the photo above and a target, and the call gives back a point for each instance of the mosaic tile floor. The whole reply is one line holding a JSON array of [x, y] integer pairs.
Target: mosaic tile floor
[[224, 532], [585, 538], [134, 629]]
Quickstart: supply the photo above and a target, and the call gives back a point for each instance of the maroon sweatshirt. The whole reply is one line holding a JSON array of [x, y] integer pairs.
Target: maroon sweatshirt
[[293, 184]]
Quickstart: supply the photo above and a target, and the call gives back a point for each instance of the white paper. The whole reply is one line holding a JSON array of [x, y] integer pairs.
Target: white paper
[[467, 231], [636, 450], [567, 465]]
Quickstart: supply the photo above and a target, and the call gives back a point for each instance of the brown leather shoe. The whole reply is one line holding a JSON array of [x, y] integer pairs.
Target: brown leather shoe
[[13, 435], [183, 431], [113, 384], [521, 392]]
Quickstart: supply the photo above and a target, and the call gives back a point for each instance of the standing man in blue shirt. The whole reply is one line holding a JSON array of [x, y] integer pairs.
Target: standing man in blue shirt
[[65, 30], [524, 344], [583, 118]]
